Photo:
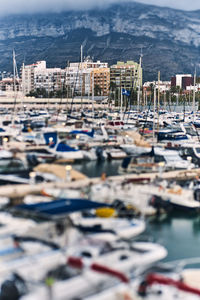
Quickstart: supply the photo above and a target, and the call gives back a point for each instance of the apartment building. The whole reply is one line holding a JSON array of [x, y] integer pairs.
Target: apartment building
[[101, 77], [38, 76], [79, 77], [126, 75]]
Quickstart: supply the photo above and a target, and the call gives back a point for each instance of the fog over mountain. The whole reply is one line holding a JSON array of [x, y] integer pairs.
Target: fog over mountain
[[35, 6], [169, 38]]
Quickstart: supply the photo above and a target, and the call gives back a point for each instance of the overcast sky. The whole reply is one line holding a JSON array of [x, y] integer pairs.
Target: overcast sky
[[21, 6]]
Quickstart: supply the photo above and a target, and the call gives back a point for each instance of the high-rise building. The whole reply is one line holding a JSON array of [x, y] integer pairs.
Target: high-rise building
[[78, 81], [27, 74], [101, 81], [126, 75]]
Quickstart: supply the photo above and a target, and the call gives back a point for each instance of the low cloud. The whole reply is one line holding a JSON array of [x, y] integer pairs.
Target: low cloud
[[36, 6]]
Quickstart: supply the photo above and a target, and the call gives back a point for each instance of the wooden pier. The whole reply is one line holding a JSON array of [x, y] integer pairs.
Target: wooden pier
[[21, 190]]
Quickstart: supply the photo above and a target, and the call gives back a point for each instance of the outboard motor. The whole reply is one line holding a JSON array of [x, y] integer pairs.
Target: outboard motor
[[32, 160], [99, 153], [13, 288], [197, 194], [126, 162], [25, 128]]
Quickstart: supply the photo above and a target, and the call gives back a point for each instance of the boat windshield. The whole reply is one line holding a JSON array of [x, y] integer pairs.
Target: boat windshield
[[190, 131], [143, 160], [12, 165], [64, 135]]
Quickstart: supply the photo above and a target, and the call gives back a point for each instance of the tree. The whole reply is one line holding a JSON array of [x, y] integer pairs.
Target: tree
[[97, 90], [175, 89], [38, 93], [112, 89]]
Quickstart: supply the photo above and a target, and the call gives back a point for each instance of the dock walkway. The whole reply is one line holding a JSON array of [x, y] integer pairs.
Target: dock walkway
[[21, 190]]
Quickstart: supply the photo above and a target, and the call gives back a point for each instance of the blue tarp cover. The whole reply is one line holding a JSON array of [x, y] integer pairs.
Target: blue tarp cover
[[62, 206]]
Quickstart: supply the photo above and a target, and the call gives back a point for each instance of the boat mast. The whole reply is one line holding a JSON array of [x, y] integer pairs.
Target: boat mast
[[81, 77], [139, 82], [48, 95], [23, 84], [138, 99], [158, 107], [68, 85], [194, 91], [121, 102], [14, 82], [93, 95], [164, 100], [154, 113]]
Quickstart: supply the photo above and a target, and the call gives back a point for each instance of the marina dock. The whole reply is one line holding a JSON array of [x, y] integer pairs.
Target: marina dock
[[20, 191]]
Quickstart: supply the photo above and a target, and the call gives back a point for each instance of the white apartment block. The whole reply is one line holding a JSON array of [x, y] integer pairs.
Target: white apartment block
[[50, 79], [78, 80], [89, 64], [37, 76], [163, 85]]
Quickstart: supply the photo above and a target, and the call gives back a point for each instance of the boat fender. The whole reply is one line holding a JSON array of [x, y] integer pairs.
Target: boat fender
[[107, 212], [103, 176]]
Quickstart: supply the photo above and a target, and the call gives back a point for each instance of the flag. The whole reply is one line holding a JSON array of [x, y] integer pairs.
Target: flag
[[126, 93]]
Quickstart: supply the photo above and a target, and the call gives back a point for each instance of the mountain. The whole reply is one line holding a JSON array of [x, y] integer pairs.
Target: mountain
[[169, 39]]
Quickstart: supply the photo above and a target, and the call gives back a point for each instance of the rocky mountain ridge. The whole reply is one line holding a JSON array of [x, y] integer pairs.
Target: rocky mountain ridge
[[169, 39]]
